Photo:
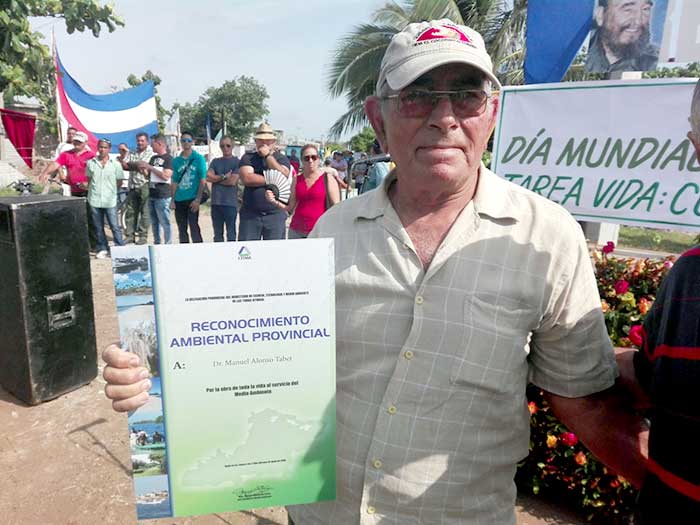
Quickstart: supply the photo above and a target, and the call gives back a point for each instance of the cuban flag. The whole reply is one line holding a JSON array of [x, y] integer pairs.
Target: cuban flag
[[115, 116]]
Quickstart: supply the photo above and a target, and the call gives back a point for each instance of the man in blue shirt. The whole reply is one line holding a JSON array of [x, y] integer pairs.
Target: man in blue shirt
[[189, 178]]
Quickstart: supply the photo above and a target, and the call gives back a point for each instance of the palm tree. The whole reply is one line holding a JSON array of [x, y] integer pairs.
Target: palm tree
[[354, 69]]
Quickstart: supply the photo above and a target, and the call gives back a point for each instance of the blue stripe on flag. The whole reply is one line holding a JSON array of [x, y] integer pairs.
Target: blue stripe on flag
[[555, 31], [129, 136], [127, 99]]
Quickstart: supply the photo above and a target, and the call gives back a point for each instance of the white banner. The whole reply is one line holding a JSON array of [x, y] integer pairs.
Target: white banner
[[611, 151]]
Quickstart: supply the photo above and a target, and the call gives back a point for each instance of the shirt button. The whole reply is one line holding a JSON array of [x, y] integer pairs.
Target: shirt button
[[377, 464], [391, 409], [419, 299], [408, 354], [371, 510]]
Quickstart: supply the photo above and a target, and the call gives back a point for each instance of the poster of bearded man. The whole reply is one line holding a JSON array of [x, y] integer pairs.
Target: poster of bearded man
[[626, 35]]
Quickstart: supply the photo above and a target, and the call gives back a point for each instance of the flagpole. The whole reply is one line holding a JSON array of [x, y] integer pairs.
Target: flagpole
[[57, 99]]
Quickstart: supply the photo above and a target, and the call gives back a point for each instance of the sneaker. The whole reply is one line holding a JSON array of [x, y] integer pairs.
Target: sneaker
[[104, 254]]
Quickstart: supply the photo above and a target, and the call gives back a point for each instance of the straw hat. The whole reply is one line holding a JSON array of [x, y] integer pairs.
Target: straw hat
[[264, 132]]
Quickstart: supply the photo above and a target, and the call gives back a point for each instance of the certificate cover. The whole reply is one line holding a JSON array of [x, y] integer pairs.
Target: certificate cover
[[240, 341]]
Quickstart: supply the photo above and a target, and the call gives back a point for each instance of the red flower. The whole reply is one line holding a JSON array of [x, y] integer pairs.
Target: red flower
[[568, 438], [532, 407], [621, 287], [636, 333], [608, 248]]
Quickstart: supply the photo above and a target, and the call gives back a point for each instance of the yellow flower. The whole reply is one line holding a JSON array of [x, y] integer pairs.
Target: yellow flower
[[551, 441], [643, 305], [581, 458], [605, 306]]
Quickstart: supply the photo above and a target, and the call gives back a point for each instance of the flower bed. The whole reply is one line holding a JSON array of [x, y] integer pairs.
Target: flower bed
[[558, 463]]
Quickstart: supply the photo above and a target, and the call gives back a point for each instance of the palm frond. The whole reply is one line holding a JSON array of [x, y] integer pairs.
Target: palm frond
[[353, 118], [357, 57], [392, 14]]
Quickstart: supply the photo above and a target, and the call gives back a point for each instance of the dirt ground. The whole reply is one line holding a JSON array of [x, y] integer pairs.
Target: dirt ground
[[66, 461]]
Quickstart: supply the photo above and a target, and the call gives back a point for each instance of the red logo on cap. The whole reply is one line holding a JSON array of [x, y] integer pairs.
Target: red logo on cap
[[443, 33]]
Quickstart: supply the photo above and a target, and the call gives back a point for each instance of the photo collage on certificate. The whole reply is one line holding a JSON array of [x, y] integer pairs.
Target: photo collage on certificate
[[137, 333]]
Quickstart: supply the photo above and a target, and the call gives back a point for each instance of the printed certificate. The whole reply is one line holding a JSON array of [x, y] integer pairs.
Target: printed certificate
[[240, 341]]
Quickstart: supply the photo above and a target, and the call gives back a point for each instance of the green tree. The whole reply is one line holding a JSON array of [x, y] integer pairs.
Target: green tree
[[354, 68], [240, 103], [363, 140], [330, 147], [25, 63], [26, 66], [133, 81]]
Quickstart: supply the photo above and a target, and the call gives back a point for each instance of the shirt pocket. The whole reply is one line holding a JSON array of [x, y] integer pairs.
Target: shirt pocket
[[493, 357]]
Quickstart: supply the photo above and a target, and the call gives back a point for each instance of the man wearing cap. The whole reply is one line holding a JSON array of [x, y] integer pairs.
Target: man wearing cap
[[260, 219], [74, 161], [454, 288], [137, 213]]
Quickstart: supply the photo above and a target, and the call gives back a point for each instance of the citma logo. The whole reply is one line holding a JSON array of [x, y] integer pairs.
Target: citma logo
[[243, 253], [443, 33]]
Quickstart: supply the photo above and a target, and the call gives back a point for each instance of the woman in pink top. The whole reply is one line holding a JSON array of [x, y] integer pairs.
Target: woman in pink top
[[308, 195]]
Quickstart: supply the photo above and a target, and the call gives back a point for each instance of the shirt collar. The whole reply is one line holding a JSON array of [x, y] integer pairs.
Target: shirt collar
[[493, 197]]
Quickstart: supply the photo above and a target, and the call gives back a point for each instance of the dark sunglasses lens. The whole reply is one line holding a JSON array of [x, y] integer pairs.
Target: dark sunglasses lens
[[308, 158]]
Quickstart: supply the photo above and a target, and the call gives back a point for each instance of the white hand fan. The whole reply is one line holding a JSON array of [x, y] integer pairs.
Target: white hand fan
[[278, 184]]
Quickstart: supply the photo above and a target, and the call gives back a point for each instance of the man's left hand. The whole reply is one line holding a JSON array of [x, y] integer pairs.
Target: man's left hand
[[194, 205]]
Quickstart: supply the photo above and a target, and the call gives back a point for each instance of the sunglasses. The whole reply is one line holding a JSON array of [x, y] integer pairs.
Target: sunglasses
[[106, 141], [185, 139], [226, 145], [309, 158], [419, 103]]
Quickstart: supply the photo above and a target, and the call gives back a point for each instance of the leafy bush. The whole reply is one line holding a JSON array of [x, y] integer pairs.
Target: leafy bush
[[558, 463]]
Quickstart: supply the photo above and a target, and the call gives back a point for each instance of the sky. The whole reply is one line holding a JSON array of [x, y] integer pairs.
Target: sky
[[193, 45]]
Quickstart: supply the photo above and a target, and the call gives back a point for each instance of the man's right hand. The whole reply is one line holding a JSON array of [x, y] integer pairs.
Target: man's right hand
[[127, 381], [264, 150]]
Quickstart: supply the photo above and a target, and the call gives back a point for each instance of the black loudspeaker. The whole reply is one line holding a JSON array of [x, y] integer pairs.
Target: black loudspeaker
[[47, 326]]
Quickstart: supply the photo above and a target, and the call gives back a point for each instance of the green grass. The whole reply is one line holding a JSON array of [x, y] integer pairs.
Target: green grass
[[660, 240]]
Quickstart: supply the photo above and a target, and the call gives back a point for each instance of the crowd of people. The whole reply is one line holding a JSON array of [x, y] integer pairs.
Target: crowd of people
[[155, 183]]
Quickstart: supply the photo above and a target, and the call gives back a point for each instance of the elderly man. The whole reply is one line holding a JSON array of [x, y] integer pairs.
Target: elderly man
[[137, 214], [453, 289], [260, 218], [621, 41]]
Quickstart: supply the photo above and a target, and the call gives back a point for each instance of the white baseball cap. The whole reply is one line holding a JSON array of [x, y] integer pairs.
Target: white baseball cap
[[80, 136], [423, 46]]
